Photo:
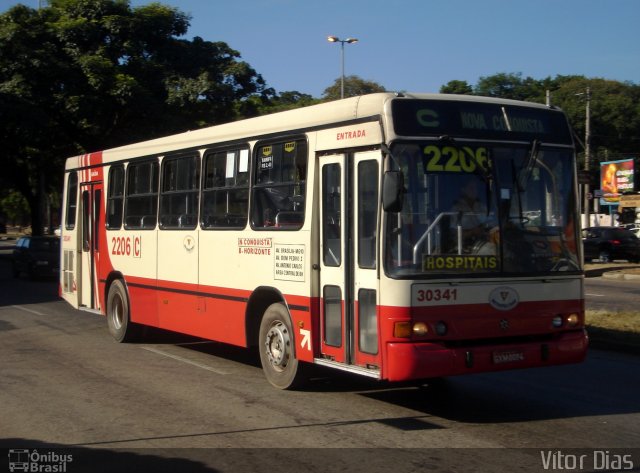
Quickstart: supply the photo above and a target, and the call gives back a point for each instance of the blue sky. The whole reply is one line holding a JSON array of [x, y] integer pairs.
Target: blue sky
[[419, 45]]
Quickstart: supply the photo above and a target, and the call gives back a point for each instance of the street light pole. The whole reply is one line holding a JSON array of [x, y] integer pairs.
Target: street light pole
[[335, 39]]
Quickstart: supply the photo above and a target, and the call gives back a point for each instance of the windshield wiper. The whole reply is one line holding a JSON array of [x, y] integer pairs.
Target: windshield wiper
[[532, 162]]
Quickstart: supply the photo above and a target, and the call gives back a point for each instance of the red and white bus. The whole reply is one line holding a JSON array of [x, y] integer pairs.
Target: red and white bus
[[395, 236]]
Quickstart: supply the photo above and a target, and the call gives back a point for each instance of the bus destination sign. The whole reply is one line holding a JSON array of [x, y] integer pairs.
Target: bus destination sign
[[478, 120]]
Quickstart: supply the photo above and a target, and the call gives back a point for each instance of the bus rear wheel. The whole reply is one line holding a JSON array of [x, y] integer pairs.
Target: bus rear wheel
[[276, 346], [118, 321]]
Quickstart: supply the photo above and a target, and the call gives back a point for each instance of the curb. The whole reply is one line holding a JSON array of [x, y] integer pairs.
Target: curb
[[621, 275]]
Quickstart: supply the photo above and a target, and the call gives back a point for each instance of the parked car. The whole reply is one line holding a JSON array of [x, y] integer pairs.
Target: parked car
[[36, 256], [610, 243]]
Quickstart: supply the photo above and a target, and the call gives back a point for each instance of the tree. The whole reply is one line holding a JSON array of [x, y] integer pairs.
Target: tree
[[353, 86], [615, 113], [271, 102], [82, 75], [457, 87], [509, 86], [15, 209], [615, 106]]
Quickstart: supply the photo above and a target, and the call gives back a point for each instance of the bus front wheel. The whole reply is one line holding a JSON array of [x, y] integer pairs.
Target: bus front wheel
[[120, 325], [276, 346]]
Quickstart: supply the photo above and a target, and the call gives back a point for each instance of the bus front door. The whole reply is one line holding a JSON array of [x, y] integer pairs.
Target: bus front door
[[91, 203], [348, 264]]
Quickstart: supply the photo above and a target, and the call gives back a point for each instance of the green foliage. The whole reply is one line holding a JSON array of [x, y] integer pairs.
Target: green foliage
[[83, 75], [457, 87], [14, 209], [615, 106], [353, 86], [271, 102]]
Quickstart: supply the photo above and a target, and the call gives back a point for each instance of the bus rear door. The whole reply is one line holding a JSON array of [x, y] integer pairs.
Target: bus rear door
[[91, 204]]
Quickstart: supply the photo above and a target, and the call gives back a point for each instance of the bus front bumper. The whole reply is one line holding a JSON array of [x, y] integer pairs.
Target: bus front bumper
[[406, 361]]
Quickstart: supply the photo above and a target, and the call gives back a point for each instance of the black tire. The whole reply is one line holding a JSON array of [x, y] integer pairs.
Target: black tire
[[604, 256], [118, 320], [276, 345]]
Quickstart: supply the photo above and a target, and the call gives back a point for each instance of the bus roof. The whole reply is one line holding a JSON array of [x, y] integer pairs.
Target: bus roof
[[314, 116]]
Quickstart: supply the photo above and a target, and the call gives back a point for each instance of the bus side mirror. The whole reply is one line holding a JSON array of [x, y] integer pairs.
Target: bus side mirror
[[393, 191]]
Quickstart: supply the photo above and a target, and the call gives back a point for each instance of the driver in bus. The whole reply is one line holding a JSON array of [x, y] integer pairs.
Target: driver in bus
[[474, 219]]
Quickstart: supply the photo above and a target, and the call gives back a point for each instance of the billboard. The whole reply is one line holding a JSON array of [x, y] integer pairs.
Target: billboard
[[616, 178]]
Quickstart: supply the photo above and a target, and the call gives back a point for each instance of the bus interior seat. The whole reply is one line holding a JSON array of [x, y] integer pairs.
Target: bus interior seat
[[287, 219], [148, 221]]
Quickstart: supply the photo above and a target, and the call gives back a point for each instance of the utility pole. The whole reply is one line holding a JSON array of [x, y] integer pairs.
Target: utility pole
[[587, 153]]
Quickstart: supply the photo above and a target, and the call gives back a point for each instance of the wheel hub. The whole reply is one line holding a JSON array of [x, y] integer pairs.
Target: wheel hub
[[277, 345]]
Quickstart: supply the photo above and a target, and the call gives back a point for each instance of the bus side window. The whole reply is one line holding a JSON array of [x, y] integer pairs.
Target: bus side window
[[225, 189], [72, 201], [278, 193], [179, 193], [141, 201], [115, 197]]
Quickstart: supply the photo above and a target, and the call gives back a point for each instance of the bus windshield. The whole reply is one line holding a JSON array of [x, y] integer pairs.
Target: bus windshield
[[478, 208]]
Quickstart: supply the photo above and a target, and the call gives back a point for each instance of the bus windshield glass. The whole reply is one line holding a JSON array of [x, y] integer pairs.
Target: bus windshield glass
[[479, 208]]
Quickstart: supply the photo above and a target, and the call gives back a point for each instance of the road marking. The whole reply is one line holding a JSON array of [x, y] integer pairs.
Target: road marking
[[184, 360], [596, 295], [19, 307]]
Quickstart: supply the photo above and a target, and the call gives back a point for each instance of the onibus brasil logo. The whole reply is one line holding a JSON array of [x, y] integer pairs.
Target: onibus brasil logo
[[22, 459]]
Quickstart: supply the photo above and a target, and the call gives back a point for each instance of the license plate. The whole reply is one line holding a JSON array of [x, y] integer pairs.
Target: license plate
[[500, 357]]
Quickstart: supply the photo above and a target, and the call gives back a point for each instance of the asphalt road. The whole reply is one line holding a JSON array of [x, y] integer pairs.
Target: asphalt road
[[182, 404], [615, 295]]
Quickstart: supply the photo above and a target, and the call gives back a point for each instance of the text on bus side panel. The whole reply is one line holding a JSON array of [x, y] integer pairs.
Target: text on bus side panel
[[126, 246]]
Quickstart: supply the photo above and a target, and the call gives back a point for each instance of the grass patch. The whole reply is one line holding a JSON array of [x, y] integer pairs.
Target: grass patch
[[619, 330], [622, 321]]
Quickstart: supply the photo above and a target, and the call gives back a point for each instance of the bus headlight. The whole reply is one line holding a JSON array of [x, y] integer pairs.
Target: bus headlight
[[572, 320], [441, 328], [420, 329], [557, 321]]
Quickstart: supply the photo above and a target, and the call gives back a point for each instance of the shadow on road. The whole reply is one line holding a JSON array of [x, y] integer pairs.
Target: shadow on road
[[33, 455], [19, 291], [593, 388], [284, 459]]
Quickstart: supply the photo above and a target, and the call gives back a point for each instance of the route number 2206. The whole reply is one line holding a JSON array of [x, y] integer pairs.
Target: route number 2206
[[452, 159], [126, 246]]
